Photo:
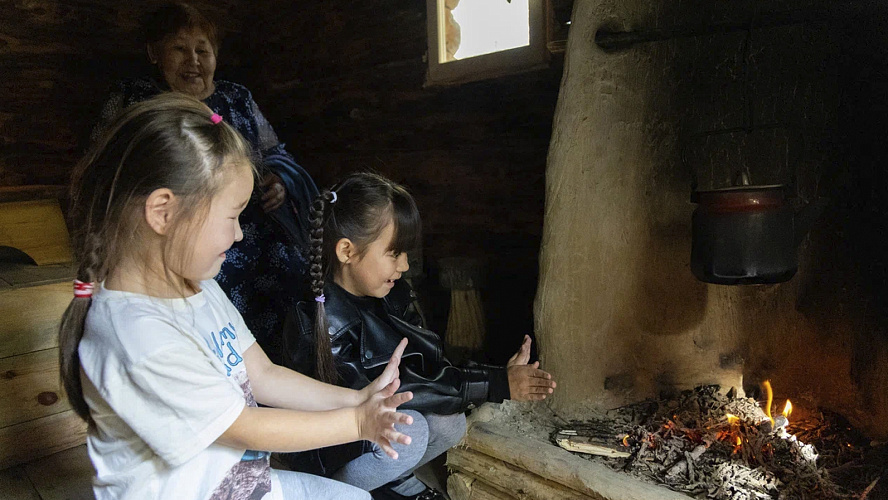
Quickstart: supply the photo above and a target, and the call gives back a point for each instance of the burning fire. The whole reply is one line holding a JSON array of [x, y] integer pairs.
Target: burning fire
[[787, 408], [767, 385]]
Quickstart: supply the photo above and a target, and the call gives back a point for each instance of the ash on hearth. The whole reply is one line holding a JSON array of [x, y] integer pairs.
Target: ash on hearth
[[710, 445]]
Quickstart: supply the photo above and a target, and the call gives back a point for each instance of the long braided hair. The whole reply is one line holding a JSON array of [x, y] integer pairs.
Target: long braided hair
[[169, 141], [359, 209]]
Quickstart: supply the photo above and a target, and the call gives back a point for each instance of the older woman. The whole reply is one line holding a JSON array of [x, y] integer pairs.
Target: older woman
[[264, 274]]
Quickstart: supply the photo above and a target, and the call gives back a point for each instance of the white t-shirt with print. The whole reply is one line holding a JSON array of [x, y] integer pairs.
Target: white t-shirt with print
[[164, 378]]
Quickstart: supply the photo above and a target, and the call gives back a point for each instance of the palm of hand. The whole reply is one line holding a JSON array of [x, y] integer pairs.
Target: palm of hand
[[377, 415], [526, 381]]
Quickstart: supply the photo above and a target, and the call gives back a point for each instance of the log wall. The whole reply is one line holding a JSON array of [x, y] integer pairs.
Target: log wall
[[342, 83], [58, 60]]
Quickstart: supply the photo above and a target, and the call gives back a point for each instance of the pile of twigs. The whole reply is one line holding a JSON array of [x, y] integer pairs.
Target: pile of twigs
[[709, 445]]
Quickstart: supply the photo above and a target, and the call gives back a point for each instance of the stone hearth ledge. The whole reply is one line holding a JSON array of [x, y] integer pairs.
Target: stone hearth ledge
[[515, 434]]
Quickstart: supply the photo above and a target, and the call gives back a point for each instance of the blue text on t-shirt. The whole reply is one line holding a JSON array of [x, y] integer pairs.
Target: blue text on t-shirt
[[223, 341]]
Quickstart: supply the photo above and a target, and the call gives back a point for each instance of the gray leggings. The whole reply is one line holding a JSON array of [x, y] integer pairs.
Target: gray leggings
[[302, 486], [431, 435]]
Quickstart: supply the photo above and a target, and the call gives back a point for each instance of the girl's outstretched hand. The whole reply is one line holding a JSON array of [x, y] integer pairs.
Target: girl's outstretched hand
[[523, 355], [376, 417], [528, 382], [389, 375]]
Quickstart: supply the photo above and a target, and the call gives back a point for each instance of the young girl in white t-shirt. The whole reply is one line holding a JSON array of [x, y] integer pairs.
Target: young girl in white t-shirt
[[156, 358]]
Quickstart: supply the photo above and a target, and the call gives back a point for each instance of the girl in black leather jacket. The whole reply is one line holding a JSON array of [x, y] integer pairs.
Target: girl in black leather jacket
[[361, 232]]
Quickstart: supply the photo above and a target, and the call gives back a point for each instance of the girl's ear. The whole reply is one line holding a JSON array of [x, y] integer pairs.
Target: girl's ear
[[152, 56], [160, 209], [345, 250]]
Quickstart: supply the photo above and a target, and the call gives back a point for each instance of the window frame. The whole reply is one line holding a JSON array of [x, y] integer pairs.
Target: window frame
[[486, 66]]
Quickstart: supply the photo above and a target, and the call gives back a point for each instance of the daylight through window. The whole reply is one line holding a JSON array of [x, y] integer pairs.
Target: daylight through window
[[487, 26]]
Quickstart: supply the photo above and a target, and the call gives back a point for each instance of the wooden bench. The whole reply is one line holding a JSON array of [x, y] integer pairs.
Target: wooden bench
[[35, 417], [31, 221]]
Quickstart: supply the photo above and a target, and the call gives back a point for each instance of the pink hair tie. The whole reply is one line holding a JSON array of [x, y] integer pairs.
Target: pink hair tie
[[216, 118], [83, 290]]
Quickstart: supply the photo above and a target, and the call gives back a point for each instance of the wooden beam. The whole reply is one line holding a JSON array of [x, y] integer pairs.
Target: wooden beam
[[463, 487], [514, 481], [553, 463], [26, 193]]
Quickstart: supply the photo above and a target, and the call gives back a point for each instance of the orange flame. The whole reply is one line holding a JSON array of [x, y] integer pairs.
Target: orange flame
[[732, 419], [787, 410], [767, 385], [738, 444]]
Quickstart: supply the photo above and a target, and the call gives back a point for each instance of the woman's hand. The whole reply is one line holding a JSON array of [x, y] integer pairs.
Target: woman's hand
[[527, 382], [273, 192]]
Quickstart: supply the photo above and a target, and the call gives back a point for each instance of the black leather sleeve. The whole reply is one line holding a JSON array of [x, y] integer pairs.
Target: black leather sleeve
[[298, 343], [499, 384], [437, 385]]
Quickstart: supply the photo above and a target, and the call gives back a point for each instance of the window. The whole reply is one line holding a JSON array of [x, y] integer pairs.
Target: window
[[477, 39]]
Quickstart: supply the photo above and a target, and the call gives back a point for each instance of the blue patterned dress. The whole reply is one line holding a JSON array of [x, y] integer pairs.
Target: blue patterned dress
[[265, 274]]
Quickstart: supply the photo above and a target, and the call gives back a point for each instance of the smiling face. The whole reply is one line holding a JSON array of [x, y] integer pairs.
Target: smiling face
[[372, 272], [187, 61], [221, 227]]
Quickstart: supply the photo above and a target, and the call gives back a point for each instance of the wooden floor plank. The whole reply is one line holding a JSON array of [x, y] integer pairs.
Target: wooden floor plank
[[63, 476], [14, 485], [30, 387], [31, 317], [42, 437]]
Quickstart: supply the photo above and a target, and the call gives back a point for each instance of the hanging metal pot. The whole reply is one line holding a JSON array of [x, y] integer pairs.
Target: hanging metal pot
[[748, 235]]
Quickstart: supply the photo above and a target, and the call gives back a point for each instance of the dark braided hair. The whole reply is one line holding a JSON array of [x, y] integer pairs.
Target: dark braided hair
[[325, 370], [73, 321], [364, 205]]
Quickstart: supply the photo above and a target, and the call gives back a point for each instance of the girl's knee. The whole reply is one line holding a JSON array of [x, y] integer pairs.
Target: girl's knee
[[447, 430], [419, 439]]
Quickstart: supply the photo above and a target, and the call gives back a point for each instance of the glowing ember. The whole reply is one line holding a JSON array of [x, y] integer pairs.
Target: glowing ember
[[767, 385]]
